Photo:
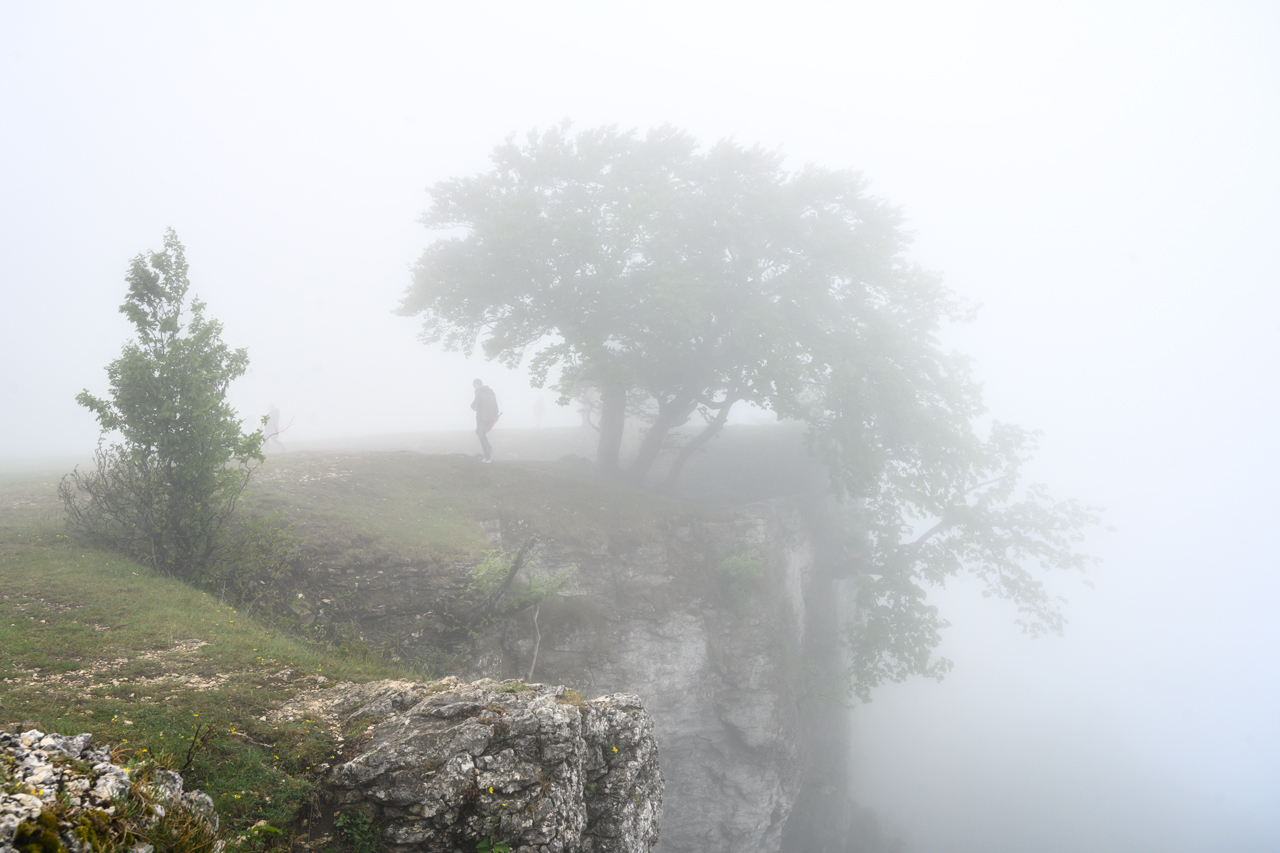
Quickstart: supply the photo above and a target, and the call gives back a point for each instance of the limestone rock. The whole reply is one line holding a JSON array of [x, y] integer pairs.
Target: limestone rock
[[716, 657], [39, 770], [445, 765], [725, 619]]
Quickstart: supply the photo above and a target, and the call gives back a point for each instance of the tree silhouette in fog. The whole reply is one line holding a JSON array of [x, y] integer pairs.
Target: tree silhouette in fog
[[680, 282]]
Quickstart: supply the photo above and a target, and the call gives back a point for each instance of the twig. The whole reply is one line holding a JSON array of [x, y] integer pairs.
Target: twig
[[198, 742], [537, 641]]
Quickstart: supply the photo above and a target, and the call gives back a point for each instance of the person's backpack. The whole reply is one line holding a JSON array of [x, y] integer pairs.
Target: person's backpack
[[489, 405]]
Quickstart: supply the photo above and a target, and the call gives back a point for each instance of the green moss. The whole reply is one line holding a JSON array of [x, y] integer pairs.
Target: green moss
[[740, 569], [512, 687], [92, 828], [572, 697], [39, 836], [738, 578]]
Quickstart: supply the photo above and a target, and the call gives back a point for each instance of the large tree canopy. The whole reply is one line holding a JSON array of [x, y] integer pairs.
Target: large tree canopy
[[692, 280], [695, 279]]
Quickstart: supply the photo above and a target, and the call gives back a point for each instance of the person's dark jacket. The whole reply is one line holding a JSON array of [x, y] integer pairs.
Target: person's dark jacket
[[485, 405]]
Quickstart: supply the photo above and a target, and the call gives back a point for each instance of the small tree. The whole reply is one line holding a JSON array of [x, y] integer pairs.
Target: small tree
[[165, 491]]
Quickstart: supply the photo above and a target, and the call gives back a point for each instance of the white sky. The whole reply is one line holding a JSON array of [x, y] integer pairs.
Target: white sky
[[1102, 176]]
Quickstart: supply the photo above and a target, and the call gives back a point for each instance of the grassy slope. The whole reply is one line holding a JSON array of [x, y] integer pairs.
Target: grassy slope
[[90, 641], [93, 642], [362, 507]]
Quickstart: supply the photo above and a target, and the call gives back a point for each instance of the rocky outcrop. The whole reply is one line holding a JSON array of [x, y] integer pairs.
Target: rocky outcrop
[[721, 617], [60, 790], [707, 621], [445, 766]]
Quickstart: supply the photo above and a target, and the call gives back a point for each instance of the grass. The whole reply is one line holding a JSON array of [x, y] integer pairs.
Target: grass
[[91, 641], [361, 508]]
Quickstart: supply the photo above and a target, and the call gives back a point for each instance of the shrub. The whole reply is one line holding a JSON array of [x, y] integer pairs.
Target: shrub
[[164, 492], [738, 577]]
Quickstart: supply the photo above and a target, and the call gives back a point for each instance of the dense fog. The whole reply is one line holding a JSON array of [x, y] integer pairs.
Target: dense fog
[[1102, 177]]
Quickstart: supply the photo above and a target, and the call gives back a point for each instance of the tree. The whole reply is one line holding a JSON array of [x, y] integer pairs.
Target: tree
[[697, 281], [694, 281], [164, 492], [561, 236]]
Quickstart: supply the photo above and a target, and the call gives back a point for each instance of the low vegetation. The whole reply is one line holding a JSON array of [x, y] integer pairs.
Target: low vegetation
[[162, 671], [172, 459], [174, 675], [364, 507]]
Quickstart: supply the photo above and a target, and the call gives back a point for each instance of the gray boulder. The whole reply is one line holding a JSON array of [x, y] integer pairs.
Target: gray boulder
[[444, 766]]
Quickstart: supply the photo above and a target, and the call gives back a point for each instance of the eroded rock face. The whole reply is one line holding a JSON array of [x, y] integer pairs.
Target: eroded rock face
[[705, 622], [445, 765], [709, 615]]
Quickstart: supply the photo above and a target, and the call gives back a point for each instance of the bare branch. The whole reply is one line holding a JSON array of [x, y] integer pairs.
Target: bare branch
[[491, 600], [537, 641]]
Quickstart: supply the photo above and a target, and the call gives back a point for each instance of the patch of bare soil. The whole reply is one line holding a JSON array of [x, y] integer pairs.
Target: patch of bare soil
[[103, 674]]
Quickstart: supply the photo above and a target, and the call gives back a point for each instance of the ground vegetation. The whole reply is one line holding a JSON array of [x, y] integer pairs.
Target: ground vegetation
[[174, 457], [166, 674]]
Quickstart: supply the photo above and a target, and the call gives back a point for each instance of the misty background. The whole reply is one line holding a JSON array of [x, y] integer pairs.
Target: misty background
[[1102, 176]]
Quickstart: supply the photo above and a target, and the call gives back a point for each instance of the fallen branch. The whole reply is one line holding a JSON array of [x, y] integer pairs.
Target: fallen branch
[[537, 641]]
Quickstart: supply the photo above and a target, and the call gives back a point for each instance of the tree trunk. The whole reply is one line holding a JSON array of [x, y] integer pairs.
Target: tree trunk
[[669, 417], [613, 416], [673, 473]]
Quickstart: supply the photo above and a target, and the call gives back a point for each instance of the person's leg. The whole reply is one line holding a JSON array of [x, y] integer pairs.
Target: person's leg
[[484, 441]]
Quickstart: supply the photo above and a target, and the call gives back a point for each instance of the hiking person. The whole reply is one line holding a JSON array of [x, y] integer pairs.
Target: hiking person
[[487, 414]]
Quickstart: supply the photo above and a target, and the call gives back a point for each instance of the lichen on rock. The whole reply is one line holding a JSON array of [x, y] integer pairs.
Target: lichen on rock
[[58, 790], [446, 765]]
